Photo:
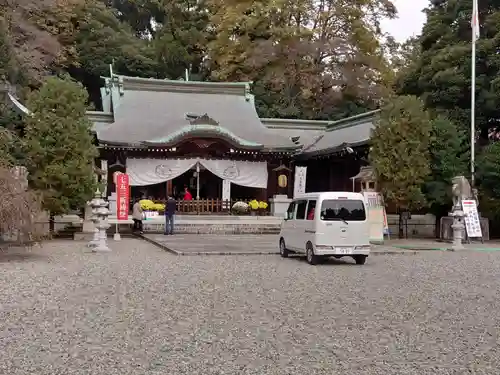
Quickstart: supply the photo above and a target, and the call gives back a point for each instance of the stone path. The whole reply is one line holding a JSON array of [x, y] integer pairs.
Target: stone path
[[251, 244], [202, 244]]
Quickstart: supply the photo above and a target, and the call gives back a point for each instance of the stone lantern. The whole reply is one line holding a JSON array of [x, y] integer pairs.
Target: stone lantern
[[367, 179]]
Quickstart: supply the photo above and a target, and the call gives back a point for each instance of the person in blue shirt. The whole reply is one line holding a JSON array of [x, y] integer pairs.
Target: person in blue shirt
[[170, 207]]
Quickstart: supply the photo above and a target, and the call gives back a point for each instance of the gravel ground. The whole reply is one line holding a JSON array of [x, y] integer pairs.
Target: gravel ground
[[139, 310]]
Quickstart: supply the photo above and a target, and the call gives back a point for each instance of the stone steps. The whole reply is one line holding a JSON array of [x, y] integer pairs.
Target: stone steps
[[216, 228]]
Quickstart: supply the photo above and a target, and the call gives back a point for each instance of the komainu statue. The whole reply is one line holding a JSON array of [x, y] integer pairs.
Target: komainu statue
[[460, 190]]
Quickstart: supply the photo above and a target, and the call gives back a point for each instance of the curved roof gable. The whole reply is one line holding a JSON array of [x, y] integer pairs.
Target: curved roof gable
[[155, 111]]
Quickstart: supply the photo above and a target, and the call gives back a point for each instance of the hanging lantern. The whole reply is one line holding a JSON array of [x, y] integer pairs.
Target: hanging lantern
[[282, 181]]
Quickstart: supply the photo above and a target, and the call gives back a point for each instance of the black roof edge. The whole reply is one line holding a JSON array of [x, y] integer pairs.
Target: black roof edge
[[351, 121], [331, 150]]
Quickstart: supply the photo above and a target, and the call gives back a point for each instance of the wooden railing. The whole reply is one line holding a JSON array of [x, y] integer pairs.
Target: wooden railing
[[206, 206]]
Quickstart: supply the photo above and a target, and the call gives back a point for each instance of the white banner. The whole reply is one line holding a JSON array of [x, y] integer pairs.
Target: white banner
[[299, 182], [226, 194], [144, 172], [472, 223], [243, 173], [226, 190]]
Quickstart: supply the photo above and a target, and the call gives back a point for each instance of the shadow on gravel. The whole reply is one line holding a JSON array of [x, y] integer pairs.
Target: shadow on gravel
[[346, 261]]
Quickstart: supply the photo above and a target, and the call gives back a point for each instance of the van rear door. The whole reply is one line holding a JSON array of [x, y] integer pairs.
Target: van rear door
[[342, 222]]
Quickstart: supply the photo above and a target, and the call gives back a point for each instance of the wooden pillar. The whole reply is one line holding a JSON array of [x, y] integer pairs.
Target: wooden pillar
[[272, 179], [169, 188], [291, 179], [262, 195]]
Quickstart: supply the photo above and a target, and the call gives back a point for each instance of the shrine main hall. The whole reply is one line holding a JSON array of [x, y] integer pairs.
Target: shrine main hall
[[207, 136]]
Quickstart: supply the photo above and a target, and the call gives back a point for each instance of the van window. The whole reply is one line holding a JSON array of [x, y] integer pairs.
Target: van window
[[311, 207], [343, 209], [290, 211], [301, 210]]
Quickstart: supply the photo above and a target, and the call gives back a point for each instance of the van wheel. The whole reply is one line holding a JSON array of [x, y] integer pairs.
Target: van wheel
[[360, 259], [310, 256], [283, 251]]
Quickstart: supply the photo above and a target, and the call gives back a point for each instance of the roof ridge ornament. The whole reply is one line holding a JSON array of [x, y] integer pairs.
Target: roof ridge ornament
[[201, 120]]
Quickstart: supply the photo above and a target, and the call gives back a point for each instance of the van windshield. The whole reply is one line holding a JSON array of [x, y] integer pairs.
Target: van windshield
[[343, 209]]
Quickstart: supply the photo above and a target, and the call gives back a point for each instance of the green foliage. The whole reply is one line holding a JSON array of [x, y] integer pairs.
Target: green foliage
[[442, 73], [488, 169], [59, 146], [399, 151], [488, 177], [307, 59], [281, 46], [11, 129], [5, 53], [6, 141], [9, 69], [93, 37], [449, 157]]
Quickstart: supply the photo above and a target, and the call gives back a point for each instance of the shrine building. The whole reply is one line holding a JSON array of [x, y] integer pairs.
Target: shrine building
[[207, 136]]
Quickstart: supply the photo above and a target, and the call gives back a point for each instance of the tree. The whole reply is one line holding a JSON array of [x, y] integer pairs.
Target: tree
[[305, 57], [399, 152], [488, 177], [442, 73], [59, 146], [180, 38], [401, 57], [19, 207], [449, 157]]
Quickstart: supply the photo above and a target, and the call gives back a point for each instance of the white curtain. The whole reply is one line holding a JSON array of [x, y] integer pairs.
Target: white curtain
[[154, 171], [243, 173], [144, 172]]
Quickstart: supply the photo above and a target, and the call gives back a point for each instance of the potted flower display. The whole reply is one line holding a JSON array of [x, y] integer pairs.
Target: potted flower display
[[239, 208], [254, 207], [151, 208], [263, 207]]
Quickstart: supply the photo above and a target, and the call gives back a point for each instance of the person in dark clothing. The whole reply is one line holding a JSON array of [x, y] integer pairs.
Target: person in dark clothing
[[170, 208]]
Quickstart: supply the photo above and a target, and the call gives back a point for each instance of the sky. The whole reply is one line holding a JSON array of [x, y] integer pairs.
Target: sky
[[409, 21]]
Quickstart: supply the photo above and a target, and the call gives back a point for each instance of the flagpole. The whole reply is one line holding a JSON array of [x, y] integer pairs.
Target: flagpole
[[475, 36], [473, 109]]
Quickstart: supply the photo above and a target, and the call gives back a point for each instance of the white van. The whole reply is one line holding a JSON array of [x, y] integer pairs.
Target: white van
[[326, 224]]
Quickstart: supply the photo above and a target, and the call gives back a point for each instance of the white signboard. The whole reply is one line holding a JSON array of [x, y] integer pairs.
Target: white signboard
[[372, 199], [377, 218], [226, 194], [299, 183], [472, 223]]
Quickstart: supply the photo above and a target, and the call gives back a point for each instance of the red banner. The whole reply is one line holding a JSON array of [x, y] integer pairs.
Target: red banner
[[122, 196]]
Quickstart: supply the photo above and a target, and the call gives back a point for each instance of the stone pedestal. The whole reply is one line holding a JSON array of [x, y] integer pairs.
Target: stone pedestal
[[102, 225], [446, 232], [458, 229], [112, 203], [88, 225], [279, 205]]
